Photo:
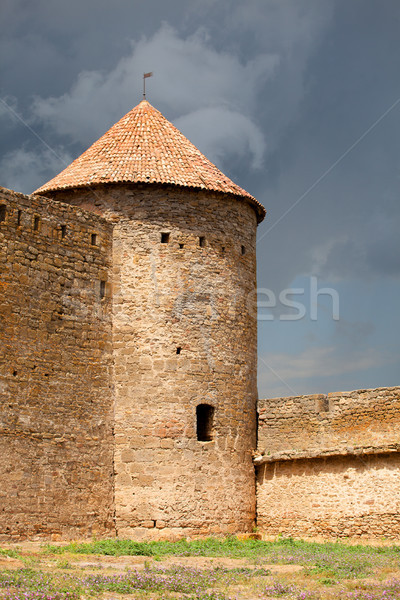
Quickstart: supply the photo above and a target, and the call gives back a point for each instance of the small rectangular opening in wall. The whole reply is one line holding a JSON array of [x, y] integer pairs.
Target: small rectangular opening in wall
[[36, 223], [19, 217], [243, 250], [202, 241], [322, 404], [178, 350], [204, 422], [93, 239], [180, 246], [164, 238], [102, 289], [63, 231], [3, 212]]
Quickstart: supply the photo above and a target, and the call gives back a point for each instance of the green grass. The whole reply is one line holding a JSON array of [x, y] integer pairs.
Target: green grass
[[12, 553], [330, 570], [330, 561], [230, 546]]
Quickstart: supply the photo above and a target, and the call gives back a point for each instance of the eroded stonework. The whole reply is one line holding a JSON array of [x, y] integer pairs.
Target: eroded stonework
[[123, 308], [330, 465], [56, 417], [184, 334]]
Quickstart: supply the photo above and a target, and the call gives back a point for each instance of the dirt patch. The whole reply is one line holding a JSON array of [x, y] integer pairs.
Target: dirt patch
[[7, 562], [283, 569], [111, 562], [118, 563]]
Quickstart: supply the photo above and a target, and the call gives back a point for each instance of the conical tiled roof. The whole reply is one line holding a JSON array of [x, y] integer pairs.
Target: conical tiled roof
[[144, 147]]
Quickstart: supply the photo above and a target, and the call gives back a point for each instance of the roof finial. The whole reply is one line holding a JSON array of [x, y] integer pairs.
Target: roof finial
[[145, 75]]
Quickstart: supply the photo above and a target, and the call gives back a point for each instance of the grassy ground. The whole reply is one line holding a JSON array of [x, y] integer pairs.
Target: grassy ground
[[211, 569]]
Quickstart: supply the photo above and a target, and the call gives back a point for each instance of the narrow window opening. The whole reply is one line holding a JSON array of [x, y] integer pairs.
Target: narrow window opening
[[202, 241], [223, 249], [243, 250], [180, 246], [36, 223], [164, 238], [15, 373], [2, 212], [93, 239], [19, 215], [204, 422], [102, 289], [63, 231], [178, 350], [154, 523]]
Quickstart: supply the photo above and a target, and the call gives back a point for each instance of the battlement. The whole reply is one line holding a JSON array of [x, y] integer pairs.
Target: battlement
[[340, 423], [29, 217]]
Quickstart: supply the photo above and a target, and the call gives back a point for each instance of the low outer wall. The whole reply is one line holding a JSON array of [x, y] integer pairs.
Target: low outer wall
[[330, 465], [318, 424], [342, 496], [55, 396]]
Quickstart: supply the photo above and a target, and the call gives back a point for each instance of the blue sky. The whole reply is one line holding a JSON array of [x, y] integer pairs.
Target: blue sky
[[298, 101]]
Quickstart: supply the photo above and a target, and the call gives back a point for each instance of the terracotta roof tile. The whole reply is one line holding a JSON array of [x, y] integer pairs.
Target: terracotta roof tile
[[144, 147]]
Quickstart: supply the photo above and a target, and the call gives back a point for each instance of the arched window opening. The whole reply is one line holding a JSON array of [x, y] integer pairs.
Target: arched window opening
[[204, 422]]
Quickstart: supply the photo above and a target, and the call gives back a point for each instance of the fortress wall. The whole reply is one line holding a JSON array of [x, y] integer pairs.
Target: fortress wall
[[318, 424], [179, 294], [55, 360], [330, 465], [340, 496]]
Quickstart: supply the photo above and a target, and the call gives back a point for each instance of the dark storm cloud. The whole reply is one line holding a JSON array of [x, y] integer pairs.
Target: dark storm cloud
[[212, 93]]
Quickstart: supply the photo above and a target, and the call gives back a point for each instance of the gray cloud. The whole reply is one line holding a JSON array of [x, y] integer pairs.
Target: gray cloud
[[368, 254], [24, 169], [286, 374], [214, 93], [190, 78], [222, 134]]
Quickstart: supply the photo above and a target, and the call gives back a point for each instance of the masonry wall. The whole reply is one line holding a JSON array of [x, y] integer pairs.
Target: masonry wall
[[55, 371], [340, 496], [322, 424], [184, 335], [330, 465]]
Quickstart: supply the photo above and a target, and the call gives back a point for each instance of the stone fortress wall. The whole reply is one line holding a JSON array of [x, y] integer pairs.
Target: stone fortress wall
[[184, 336], [330, 465], [114, 328], [56, 442]]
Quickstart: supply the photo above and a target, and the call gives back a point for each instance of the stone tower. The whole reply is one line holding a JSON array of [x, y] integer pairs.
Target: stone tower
[[184, 326]]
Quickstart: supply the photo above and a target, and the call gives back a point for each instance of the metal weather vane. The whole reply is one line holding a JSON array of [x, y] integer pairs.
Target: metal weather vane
[[145, 76]]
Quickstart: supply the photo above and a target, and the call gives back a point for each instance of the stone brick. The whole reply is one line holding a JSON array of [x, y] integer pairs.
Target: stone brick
[[330, 465], [195, 299], [56, 442]]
